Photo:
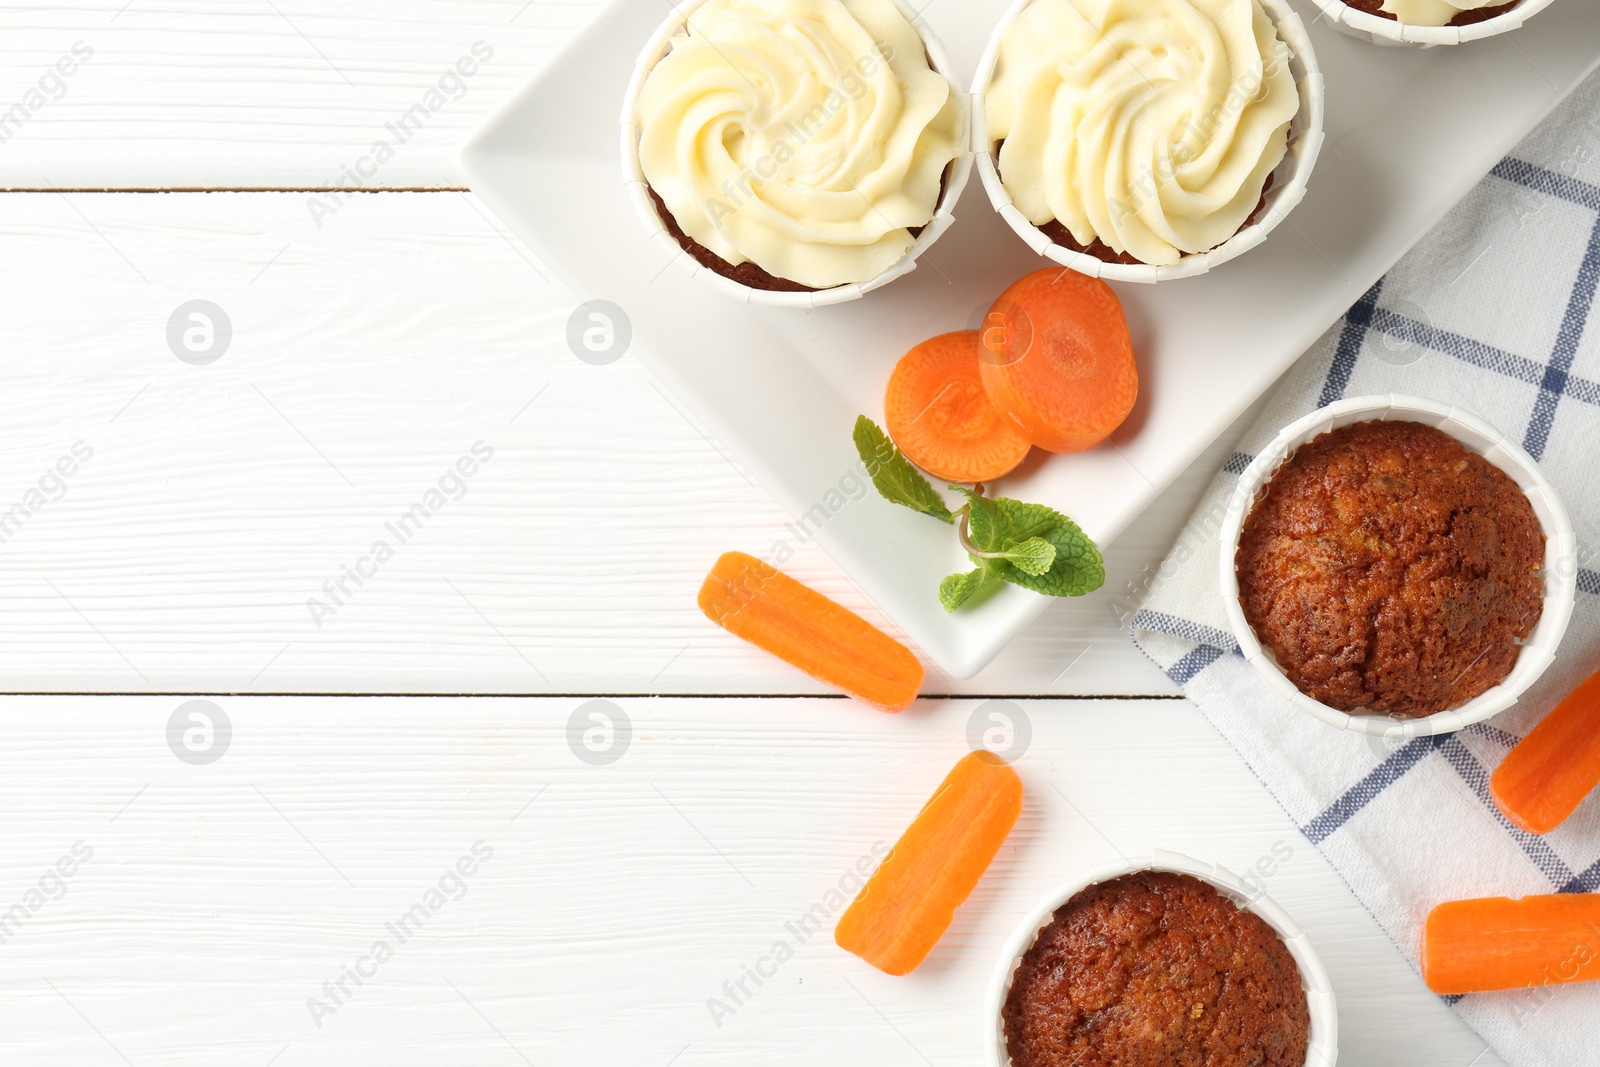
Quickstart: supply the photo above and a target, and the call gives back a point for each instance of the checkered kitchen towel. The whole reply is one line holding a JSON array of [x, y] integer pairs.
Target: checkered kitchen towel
[[1492, 311]]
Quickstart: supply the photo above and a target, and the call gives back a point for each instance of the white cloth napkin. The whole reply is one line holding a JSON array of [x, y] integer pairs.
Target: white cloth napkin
[[1492, 312]]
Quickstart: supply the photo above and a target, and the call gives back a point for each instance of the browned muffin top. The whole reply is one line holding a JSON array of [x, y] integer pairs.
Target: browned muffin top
[[1156, 969], [1388, 568]]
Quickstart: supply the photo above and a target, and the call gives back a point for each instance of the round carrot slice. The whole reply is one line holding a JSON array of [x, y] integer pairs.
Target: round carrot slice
[[940, 416], [1057, 360]]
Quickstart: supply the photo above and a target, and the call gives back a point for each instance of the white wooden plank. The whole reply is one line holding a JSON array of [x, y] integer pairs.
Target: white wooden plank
[[618, 899], [367, 357], [251, 93]]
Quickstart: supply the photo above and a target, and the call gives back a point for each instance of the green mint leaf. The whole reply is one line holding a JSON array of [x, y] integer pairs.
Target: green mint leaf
[[1032, 557], [896, 479], [957, 589], [1077, 568]]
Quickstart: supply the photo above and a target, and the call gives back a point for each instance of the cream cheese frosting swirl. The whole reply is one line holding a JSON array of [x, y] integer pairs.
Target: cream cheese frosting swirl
[[1151, 125], [806, 136], [1433, 12]]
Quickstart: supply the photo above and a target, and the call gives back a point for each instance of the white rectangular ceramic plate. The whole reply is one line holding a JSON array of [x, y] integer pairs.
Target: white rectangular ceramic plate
[[1409, 131]]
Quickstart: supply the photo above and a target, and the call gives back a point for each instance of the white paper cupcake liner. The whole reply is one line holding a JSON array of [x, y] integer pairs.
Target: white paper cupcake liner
[[1322, 1048], [1381, 31], [1288, 189], [957, 173], [1560, 558]]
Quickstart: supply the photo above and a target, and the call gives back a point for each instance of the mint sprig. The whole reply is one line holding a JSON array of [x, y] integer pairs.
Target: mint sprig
[[1030, 545]]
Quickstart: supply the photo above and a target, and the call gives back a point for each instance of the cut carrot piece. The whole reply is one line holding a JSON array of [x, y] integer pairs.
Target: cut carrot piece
[[1546, 777], [1474, 946], [907, 904], [940, 416], [1058, 361], [802, 627]]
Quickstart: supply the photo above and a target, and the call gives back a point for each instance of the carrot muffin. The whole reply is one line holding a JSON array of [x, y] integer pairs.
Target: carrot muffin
[[1390, 569], [1140, 130], [1434, 12], [1156, 969], [797, 144]]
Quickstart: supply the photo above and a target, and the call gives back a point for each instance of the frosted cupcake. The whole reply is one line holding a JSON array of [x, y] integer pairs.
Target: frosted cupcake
[[1428, 22], [1434, 12], [1141, 139], [796, 146]]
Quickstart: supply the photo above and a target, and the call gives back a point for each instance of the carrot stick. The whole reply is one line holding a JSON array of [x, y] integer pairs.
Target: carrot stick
[[941, 418], [1058, 361], [1547, 775], [907, 904], [802, 627], [1474, 946]]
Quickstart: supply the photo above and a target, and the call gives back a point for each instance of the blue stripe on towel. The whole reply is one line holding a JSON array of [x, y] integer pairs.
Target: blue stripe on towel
[[1583, 390], [1548, 182], [1203, 656], [1477, 778], [1478, 354], [1589, 582], [1162, 623], [1356, 323], [1504, 738], [1459, 347], [1466, 765], [1364, 792], [1586, 882], [1573, 324]]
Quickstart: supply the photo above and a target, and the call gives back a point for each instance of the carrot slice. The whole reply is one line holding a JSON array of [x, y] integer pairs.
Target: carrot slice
[[940, 416], [907, 904], [1058, 361], [1547, 775], [802, 627], [1474, 946]]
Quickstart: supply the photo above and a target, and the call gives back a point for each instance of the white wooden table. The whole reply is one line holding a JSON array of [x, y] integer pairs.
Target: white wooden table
[[376, 338]]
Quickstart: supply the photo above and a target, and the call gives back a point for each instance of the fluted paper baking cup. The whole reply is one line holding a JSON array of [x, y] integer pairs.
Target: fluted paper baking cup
[[1560, 558], [638, 188], [1289, 180], [1378, 30], [1322, 1047]]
